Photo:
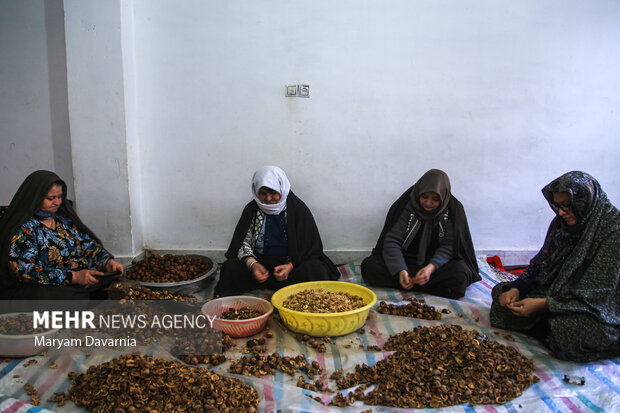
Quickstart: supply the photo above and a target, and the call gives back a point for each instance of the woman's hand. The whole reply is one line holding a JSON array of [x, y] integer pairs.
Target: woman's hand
[[528, 306], [423, 275], [509, 297], [405, 280], [259, 272], [281, 272], [113, 265], [86, 277]]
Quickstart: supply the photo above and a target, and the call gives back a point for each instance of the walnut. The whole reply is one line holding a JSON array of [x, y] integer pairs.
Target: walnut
[[139, 383], [243, 313], [441, 366], [169, 268], [322, 301], [415, 309]]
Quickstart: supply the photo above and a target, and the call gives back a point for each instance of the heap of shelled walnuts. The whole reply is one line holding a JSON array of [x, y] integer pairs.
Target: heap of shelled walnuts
[[323, 301]]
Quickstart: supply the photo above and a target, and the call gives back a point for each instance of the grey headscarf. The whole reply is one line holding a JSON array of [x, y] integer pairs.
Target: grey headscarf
[[436, 181]]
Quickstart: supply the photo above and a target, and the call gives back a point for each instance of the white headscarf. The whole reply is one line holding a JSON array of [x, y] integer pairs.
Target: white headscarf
[[273, 178]]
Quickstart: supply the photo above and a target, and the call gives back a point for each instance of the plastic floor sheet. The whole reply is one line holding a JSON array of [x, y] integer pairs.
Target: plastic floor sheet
[[601, 392]]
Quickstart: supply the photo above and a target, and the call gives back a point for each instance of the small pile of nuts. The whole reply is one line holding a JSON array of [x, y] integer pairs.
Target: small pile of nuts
[[35, 399], [336, 375], [323, 301], [243, 313], [340, 400], [19, 325], [169, 268], [256, 345], [213, 359], [317, 343], [318, 385], [59, 398], [415, 309], [262, 365], [145, 293], [443, 366], [139, 383], [202, 347]]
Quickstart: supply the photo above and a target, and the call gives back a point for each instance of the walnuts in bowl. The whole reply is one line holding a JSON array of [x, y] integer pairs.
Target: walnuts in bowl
[[169, 268]]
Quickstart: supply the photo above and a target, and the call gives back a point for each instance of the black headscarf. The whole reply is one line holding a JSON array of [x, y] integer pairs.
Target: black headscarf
[[26, 201], [436, 181]]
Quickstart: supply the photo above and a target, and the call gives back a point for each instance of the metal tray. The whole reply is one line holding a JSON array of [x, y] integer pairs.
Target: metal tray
[[182, 287]]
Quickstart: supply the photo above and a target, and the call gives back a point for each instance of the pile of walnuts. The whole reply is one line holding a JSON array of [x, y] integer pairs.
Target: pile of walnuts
[[139, 383], [258, 365], [415, 309], [169, 268], [442, 366], [145, 293], [243, 313], [322, 301]]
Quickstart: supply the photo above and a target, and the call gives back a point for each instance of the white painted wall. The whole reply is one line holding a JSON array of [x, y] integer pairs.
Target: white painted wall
[[504, 96], [173, 105], [97, 112], [132, 134], [34, 130]]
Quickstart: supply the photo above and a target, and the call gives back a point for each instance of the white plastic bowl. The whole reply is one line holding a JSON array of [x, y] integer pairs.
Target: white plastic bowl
[[23, 345], [238, 328]]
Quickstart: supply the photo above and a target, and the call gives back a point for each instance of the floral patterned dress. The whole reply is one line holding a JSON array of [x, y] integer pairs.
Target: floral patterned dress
[[40, 255]]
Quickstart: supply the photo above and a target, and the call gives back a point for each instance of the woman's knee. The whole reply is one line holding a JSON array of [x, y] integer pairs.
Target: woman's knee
[[375, 273], [373, 266], [232, 274], [366, 265], [311, 270]]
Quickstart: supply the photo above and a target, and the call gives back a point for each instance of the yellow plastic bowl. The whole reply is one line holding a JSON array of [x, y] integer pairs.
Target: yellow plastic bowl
[[324, 324]]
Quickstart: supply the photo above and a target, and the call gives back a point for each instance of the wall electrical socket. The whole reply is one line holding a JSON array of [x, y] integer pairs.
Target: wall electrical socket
[[302, 91]]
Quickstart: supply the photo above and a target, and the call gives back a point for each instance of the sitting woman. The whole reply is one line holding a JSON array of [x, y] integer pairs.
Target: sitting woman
[[569, 295], [47, 252], [276, 242], [425, 243]]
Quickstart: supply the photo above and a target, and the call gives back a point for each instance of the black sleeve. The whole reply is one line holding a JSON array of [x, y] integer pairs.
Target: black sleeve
[[241, 229]]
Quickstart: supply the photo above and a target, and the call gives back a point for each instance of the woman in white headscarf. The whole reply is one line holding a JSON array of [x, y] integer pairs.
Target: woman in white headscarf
[[276, 242]]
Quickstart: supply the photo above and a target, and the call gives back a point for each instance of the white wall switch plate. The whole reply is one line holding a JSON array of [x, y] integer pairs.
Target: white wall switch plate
[[291, 90]]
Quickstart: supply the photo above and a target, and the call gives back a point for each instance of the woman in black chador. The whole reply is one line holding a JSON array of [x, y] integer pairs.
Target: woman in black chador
[[425, 243], [276, 242]]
